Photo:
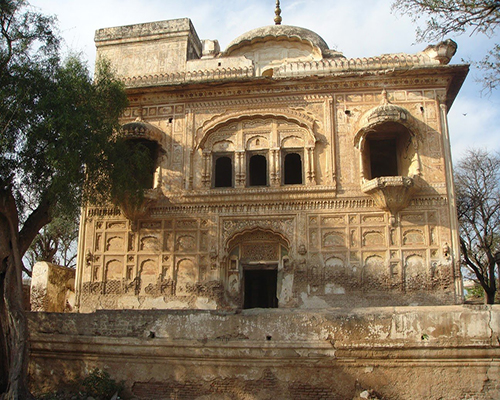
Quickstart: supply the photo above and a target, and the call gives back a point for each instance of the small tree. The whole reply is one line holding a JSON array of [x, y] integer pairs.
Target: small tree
[[477, 180], [444, 17]]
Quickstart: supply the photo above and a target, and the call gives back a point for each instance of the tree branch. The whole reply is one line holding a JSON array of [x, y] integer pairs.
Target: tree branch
[[40, 217]]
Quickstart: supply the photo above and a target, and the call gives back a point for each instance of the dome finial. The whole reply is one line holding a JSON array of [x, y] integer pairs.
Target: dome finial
[[277, 11]]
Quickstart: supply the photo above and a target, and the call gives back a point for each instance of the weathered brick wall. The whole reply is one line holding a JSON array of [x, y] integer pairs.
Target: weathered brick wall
[[447, 352]]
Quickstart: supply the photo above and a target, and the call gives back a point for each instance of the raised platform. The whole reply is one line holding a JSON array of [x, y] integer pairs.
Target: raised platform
[[448, 352]]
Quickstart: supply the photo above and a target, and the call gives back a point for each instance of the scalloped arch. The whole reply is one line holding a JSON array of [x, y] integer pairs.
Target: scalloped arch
[[219, 121], [381, 114]]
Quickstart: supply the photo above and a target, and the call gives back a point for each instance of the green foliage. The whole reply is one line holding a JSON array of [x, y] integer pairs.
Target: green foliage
[[97, 384], [59, 148], [490, 65], [474, 292], [100, 386], [451, 16], [444, 17], [58, 124]]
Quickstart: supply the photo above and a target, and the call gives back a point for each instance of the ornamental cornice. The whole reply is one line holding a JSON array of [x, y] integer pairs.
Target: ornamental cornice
[[180, 77], [261, 207], [321, 86], [300, 100], [275, 206]]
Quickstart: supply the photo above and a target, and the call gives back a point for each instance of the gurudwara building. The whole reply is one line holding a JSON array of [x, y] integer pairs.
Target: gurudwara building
[[298, 238], [285, 175]]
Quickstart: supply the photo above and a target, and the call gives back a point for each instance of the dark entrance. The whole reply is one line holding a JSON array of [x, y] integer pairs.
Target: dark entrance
[[260, 287], [383, 158]]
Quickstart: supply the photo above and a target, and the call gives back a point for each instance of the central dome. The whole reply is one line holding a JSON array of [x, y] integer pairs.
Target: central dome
[[278, 32]]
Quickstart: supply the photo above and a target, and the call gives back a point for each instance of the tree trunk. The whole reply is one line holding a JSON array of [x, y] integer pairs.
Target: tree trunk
[[4, 366], [489, 296], [13, 322], [15, 326]]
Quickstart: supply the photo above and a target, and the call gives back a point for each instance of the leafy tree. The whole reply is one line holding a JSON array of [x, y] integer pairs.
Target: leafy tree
[[444, 17], [477, 180], [58, 147]]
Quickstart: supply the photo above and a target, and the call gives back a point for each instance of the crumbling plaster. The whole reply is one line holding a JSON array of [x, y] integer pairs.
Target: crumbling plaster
[[407, 353]]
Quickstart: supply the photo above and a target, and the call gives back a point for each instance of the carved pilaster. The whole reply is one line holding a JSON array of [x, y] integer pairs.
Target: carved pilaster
[[275, 167], [309, 162], [207, 167], [240, 168]]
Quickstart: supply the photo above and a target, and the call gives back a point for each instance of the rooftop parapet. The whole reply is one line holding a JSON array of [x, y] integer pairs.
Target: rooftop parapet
[[170, 52]]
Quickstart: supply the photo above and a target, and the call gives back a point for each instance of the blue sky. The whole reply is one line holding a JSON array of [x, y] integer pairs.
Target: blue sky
[[358, 28]]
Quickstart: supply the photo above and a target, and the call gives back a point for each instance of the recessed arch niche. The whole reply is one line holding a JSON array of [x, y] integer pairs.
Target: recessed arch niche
[[255, 266]]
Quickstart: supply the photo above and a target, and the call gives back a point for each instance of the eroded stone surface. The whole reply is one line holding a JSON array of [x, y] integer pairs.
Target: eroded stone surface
[[52, 288], [391, 353]]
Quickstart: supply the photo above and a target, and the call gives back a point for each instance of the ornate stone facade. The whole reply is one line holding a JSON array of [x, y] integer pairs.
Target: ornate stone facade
[[286, 175]]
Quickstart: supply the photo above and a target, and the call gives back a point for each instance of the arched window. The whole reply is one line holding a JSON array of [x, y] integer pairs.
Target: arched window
[[292, 165], [257, 168], [223, 172], [387, 151]]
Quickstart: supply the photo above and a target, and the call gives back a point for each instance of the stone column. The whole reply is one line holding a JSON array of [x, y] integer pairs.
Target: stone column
[[52, 288]]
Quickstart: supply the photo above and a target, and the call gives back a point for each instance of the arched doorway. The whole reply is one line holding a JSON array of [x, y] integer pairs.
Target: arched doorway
[[255, 267]]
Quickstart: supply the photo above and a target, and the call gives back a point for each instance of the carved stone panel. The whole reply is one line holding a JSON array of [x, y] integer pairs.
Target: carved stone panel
[[413, 237], [149, 271], [149, 243], [115, 243], [114, 270], [375, 271], [415, 272], [185, 242], [186, 275], [374, 238], [259, 251], [334, 238]]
